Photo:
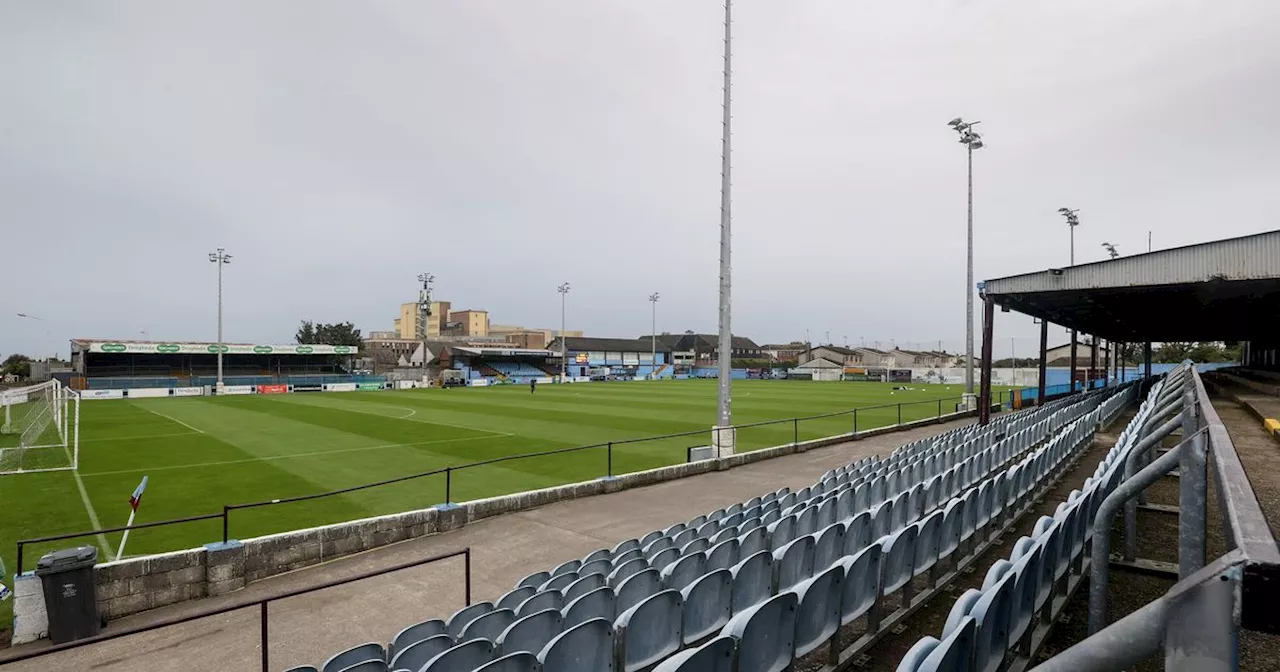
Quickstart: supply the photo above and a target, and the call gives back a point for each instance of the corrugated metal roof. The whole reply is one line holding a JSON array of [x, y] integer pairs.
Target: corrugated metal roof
[[1255, 257]]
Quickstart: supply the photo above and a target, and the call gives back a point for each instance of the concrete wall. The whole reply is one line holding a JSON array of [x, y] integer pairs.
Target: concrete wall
[[138, 584]]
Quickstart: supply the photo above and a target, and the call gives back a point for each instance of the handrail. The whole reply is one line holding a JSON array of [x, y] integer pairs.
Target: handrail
[[225, 515], [261, 603]]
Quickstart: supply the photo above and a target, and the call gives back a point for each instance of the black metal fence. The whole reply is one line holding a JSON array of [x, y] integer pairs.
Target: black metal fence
[[264, 623], [756, 435]]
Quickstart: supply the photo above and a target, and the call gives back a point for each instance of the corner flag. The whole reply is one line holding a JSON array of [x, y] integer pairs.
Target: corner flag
[[136, 498]]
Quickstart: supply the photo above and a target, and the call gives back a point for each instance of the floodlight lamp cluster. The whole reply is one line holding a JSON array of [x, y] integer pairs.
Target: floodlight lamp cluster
[[968, 137]]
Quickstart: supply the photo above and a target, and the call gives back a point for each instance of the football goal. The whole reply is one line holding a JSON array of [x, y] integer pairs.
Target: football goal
[[39, 428]]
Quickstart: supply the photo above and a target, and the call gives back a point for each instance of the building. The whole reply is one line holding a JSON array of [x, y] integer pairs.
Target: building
[[784, 352], [848, 356], [1061, 355], [818, 368], [469, 322], [923, 359], [704, 349], [621, 356], [406, 325]]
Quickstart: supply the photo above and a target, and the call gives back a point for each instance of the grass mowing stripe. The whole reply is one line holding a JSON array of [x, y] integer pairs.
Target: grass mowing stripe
[[139, 437], [315, 453], [327, 403], [170, 417]]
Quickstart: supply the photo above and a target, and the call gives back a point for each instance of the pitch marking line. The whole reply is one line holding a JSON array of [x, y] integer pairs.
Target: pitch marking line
[[272, 458], [408, 417], [139, 438], [170, 417], [88, 505]]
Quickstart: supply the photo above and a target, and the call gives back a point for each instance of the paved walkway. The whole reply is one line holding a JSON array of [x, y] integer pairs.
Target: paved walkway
[[307, 628]]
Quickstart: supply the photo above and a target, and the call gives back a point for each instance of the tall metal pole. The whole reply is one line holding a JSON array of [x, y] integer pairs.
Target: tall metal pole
[[725, 417], [220, 258], [424, 317], [564, 365], [968, 292], [653, 337]]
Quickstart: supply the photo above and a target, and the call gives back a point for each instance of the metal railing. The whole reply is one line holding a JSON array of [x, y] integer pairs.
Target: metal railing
[[860, 419], [264, 631], [1196, 623]]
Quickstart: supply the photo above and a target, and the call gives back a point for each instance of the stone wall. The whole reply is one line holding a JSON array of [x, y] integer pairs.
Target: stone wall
[[138, 584]]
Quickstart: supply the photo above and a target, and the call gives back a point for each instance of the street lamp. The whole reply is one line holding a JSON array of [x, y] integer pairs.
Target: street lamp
[[424, 316], [1072, 222], [564, 293], [971, 140], [221, 258], [653, 337], [1111, 250]]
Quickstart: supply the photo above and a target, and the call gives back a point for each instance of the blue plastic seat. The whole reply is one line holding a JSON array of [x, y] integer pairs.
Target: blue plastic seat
[[353, 655], [461, 658], [586, 647], [818, 609], [752, 580], [515, 662], [415, 633], [489, 626], [465, 615], [599, 603], [530, 633], [766, 634], [649, 632], [708, 605], [414, 656]]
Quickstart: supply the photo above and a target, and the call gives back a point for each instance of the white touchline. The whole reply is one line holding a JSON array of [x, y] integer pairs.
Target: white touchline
[[169, 417], [88, 507], [272, 458], [138, 438]]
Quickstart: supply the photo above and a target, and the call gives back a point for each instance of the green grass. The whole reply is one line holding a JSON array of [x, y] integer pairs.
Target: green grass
[[203, 452]]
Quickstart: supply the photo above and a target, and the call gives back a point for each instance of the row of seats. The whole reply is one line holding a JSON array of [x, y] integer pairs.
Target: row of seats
[[518, 370], [985, 627], [736, 558]]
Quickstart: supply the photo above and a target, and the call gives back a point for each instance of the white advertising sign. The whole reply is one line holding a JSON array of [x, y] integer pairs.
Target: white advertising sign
[[478, 382], [188, 391], [237, 389], [340, 387], [102, 394], [406, 384], [144, 392], [212, 348]]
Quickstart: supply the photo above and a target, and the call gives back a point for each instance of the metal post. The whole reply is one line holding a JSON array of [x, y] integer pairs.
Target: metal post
[[723, 403], [1130, 471], [899, 414], [225, 522], [221, 258], [1093, 363], [1073, 360], [1201, 631], [1146, 359], [564, 364], [855, 421], [466, 557], [19, 570], [939, 409], [988, 326], [1192, 491], [265, 635], [1101, 552], [795, 430], [1044, 357], [653, 338], [610, 460], [968, 297], [448, 485]]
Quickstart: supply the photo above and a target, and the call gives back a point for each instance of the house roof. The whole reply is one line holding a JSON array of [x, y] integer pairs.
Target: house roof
[[820, 363], [606, 344], [701, 342]]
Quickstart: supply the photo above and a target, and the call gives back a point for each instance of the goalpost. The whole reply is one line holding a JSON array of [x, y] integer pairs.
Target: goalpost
[[40, 428]]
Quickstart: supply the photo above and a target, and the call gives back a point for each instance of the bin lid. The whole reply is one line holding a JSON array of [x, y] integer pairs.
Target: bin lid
[[67, 559]]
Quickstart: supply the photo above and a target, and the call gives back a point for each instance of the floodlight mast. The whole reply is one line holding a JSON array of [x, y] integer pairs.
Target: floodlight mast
[[971, 140], [221, 258], [653, 337], [424, 316], [564, 293]]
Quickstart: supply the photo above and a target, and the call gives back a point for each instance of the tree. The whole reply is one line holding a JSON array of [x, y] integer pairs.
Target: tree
[[319, 333], [16, 365], [1196, 351]]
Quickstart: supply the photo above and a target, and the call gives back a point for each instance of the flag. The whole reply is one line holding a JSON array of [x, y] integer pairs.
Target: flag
[[136, 498]]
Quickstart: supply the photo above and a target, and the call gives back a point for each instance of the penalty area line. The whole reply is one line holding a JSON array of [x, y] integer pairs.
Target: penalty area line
[[170, 417], [273, 458]]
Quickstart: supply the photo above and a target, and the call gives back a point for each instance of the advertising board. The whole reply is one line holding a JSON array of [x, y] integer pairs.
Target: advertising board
[[102, 394], [144, 392], [478, 382], [273, 389], [368, 386], [407, 384], [188, 391], [237, 389], [307, 388], [340, 387]]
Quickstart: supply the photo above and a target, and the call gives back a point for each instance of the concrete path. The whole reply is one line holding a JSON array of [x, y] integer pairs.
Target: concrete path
[[308, 628]]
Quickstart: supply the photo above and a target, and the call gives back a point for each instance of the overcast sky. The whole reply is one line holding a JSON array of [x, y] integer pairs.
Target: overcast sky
[[337, 149]]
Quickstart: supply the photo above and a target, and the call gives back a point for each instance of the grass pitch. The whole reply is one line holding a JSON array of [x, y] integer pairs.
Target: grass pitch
[[203, 452]]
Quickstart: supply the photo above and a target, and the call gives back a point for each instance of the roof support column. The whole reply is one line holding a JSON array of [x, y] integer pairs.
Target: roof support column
[[988, 324], [1072, 377], [1146, 359], [1093, 363], [1044, 359]]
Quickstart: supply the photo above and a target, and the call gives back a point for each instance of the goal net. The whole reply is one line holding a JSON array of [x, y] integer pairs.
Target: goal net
[[38, 428]]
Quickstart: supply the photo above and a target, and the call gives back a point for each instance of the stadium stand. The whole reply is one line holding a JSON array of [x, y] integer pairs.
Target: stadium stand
[[754, 586], [1023, 596]]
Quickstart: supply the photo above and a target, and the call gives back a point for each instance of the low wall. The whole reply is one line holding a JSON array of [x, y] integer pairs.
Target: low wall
[[138, 584]]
